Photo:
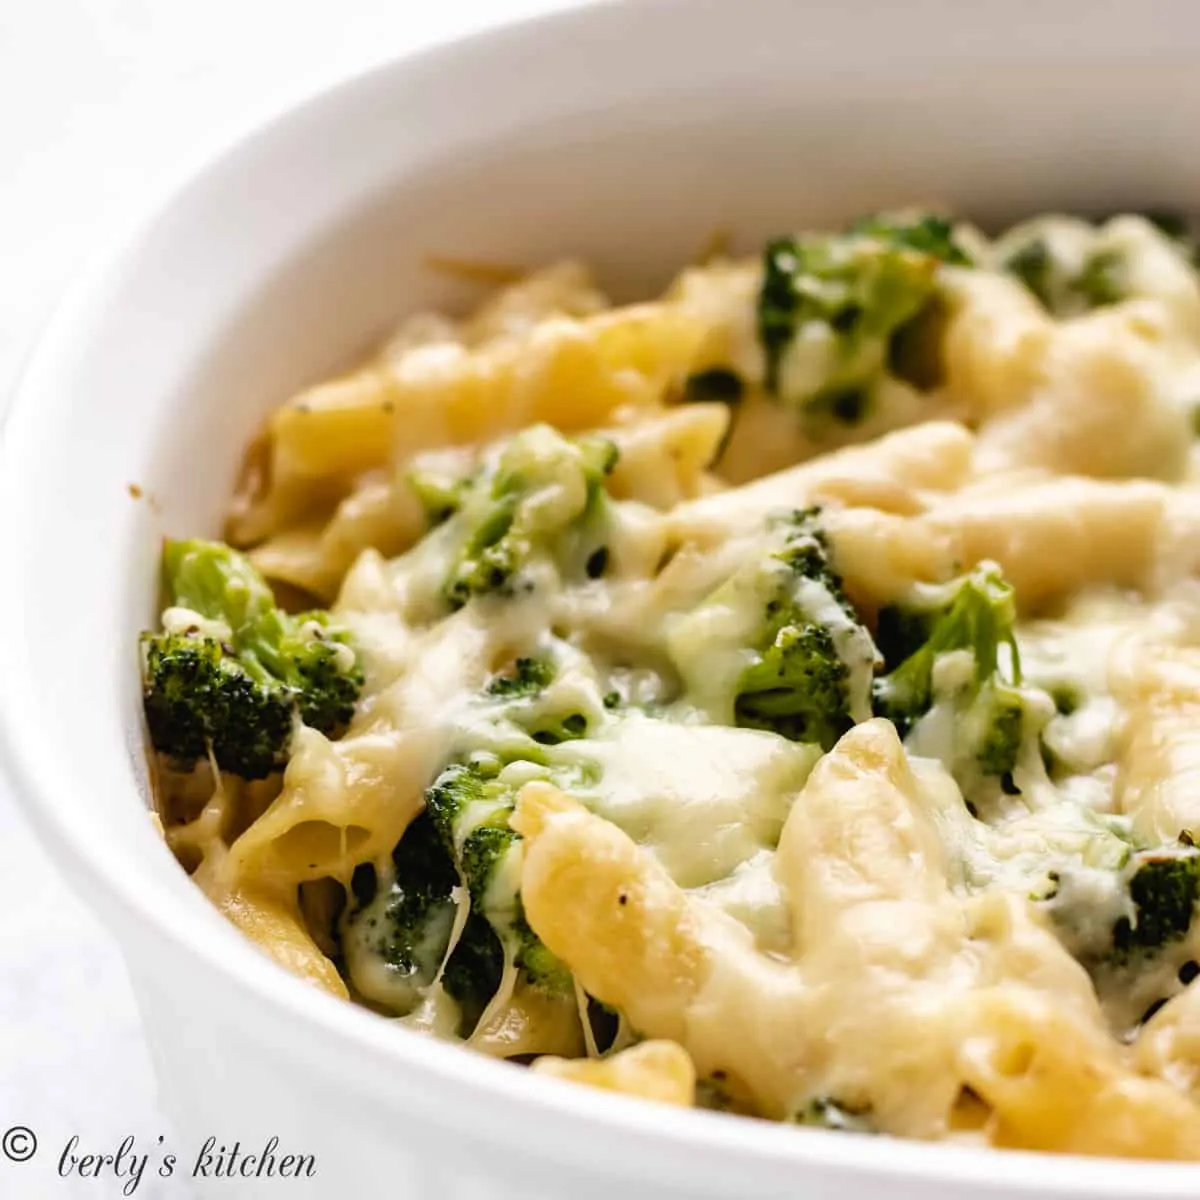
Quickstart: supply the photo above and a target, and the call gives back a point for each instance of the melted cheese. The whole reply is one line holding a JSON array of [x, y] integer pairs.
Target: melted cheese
[[706, 800]]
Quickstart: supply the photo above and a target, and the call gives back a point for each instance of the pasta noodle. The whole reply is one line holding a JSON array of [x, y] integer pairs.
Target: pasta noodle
[[1159, 760], [652, 1070]]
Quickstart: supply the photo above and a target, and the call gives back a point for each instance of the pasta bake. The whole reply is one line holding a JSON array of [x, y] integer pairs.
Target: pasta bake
[[781, 696]]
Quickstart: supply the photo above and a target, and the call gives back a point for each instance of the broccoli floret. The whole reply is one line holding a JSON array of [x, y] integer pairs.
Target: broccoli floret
[[232, 671], [1062, 288], [469, 805], [954, 643], [1032, 263], [807, 659], [1003, 736], [395, 938], [307, 653], [527, 677], [404, 927], [975, 613], [1141, 958], [1102, 280], [467, 810], [526, 680], [831, 305], [197, 695], [798, 688], [1164, 890], [441, 481], [474, 971], [720, 1092], [814, 658], [823, 1113], [542, 497], [440, 497], [926, 233], [1073, 267]]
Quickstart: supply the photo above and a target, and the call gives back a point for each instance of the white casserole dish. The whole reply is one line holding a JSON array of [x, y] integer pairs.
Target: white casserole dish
[[621, 133]]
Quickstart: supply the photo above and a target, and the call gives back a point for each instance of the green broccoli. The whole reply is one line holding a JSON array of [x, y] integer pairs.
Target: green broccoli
[[830, 307], [514, 722], [799, 686], [395, 938], [469, 805], [1141, 957], [394, 943], [924, 233], [1067, 698], [528, 677], [541, 498], [1164, 890], [1073, 266], [972, 619], [232, 671], [719, 1092], [823, 1113], [197, 695], [1003, 734], [403, 928], [439, 486], [975, 612], [521, 687], [474, 970], [1063, 290], [807, 659]]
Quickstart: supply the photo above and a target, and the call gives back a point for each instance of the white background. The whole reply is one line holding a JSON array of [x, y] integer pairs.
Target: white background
[[101, 103]]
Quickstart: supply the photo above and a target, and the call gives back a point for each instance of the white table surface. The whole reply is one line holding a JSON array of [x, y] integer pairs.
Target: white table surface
[[100, 102]]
